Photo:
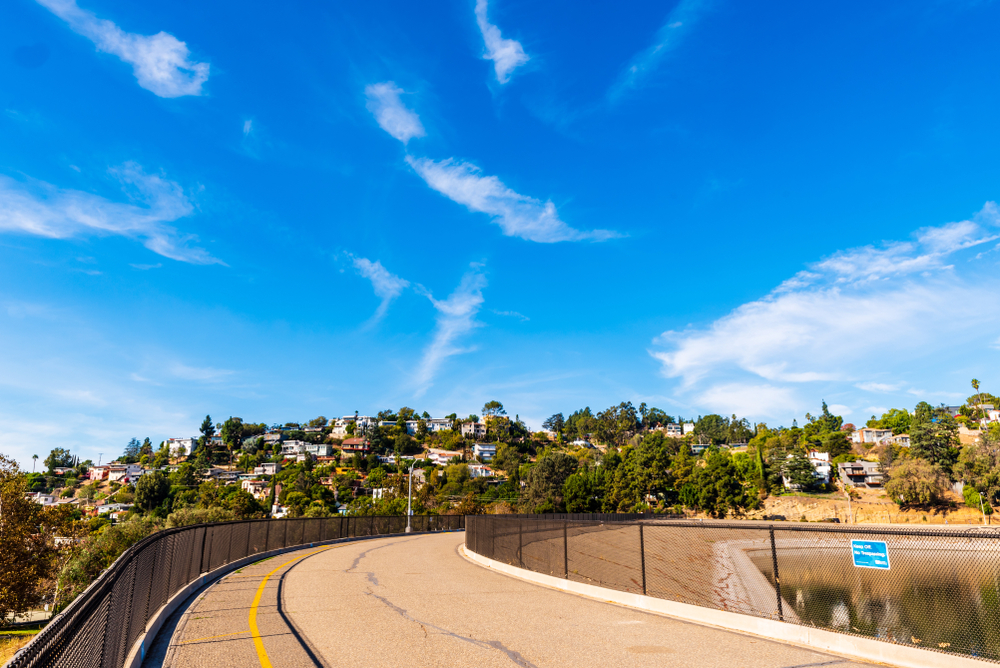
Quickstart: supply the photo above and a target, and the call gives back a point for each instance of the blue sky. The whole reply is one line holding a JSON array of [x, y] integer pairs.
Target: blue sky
[[284, 212]]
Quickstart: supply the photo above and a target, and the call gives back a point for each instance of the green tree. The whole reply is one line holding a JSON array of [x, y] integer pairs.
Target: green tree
[[836, 443], [617, 424], [57, 458], [915, 481], [654, 417], [544, 491], [936, 441], [896, 419], [207, 430], [131, 454], [244, 506], [712, 429], [493, 409], [151, 490], [719, 489], [27, 555], [232, 436], [376, 477], [799, 472], [554, 423]]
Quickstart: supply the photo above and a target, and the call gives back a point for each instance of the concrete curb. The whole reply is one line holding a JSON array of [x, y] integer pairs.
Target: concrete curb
[[866, 649], [146, 638]]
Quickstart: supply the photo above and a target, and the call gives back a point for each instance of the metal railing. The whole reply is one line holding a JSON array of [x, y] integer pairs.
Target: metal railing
[[930, 588], [100, 627]]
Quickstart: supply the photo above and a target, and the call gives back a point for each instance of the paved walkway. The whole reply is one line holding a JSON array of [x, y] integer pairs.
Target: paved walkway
[[414, 601]]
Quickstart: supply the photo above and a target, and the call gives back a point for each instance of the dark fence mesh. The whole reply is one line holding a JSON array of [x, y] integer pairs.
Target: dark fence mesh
[[935, 589], [101, 626]]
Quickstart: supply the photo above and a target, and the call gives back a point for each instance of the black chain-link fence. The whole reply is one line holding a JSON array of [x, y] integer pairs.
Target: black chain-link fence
[[935, 589], [100, 627]]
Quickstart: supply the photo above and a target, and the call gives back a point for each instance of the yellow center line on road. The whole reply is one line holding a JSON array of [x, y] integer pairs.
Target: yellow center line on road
[[258, 642]]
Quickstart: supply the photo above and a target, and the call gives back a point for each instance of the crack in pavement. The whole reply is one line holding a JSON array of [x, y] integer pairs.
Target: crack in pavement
[[491, 644], [362, 555]]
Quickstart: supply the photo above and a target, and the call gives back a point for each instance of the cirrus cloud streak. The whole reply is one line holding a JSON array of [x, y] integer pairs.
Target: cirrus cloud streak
[[161, 62]]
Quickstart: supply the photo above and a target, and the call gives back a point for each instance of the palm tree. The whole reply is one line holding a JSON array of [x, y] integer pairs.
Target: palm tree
[[34, 459], [979, 397]]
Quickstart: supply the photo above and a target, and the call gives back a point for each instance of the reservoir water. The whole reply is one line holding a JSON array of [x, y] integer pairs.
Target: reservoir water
[[942, 595]]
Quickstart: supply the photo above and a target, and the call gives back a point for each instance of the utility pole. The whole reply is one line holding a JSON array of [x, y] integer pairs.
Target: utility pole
[[99, 455], [409, 500]]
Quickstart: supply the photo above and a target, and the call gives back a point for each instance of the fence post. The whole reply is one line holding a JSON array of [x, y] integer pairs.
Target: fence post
[[520, 543], [204, 542], [565, 549], [642, 558], [371, 530], [777, 580], [267, 536], [249, 533]]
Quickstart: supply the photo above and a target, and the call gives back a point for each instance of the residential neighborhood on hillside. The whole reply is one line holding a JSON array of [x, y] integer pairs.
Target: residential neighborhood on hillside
[[360, 462], [929, 461]]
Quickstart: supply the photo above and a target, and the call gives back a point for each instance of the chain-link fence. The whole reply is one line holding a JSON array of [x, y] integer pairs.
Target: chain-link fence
[[931, 588], [100, 627]]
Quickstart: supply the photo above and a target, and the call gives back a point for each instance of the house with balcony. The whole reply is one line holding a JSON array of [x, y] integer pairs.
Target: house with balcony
[[673, 430], [352, 446], [484, 451], [257, 488], [443, 457], [474, 430], [861, 474], [182, 446], [267, 468], [124, 473], [480, 471], [870, 435]]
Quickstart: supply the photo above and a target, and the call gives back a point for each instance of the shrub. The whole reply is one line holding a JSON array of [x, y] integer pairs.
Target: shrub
[[972, 499], [187, 516], [916, 481], [97, 552]]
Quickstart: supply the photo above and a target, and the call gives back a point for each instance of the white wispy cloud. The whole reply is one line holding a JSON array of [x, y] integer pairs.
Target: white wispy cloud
[[390, 112], [930, 250], [679, 22], [506, 54], [199, 374], [747, 399], [512, 314], [247, 126], [880, 387], [387, 285], [456, 318], [161, 62], [41, 209], [517, 215], [861, 313]]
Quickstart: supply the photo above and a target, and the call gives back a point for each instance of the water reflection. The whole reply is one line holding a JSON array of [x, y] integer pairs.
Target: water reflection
[[937, 596]]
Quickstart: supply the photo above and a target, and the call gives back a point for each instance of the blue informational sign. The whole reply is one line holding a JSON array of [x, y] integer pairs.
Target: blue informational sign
[[870, 554]]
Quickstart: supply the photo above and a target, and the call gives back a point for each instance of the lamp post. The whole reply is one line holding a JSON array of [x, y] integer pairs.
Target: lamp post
[[409, 498]]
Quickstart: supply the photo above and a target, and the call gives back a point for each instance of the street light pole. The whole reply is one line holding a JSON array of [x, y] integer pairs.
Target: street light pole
[[409, 499]]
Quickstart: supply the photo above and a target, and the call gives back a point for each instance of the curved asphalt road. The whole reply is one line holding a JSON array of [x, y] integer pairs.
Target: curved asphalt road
[[414, 601]]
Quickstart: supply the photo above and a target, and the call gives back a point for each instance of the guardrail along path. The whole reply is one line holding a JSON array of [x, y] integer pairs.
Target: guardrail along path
[[414, 601]]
